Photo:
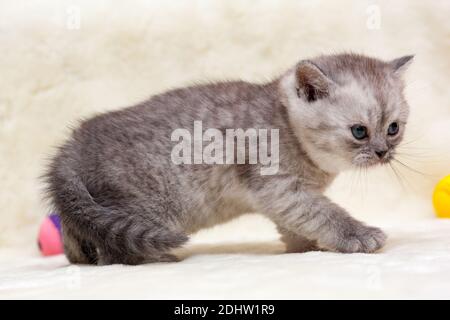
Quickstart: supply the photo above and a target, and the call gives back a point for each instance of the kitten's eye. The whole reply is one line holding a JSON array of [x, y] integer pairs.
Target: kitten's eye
[[359, 132], [393, 129]]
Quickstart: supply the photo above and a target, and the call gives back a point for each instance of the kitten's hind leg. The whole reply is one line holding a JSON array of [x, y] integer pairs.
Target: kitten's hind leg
[[296, 243], [133, 249], [78, 251]]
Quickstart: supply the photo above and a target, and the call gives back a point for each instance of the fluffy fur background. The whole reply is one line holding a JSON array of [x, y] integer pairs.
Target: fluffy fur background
[[125, 51]]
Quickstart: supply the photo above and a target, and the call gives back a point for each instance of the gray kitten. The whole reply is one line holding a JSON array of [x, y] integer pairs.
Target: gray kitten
[[122, 200]]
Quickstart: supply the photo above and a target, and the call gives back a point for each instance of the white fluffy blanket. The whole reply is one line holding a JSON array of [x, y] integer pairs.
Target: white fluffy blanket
[[233, 265], [65, 59]]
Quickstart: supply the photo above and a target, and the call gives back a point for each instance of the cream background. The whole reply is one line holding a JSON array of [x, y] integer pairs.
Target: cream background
[[124, 51]]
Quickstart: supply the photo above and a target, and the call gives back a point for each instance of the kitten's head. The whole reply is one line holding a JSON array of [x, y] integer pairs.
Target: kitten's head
[[347, 110]]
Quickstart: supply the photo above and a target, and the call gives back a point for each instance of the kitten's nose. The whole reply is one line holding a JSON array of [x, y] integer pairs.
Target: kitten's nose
[[381, 153]]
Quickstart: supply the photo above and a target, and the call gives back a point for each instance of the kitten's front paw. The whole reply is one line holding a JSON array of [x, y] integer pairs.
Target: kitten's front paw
[[361, 238]]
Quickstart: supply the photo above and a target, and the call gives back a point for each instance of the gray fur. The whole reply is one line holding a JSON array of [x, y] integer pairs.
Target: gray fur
[[122, 200]]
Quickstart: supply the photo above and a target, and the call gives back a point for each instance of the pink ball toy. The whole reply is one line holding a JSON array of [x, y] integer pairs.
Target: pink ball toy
[[49, 239]]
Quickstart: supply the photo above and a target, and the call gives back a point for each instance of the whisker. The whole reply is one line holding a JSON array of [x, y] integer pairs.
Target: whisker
[[353, 179], [365, 191], [412, 155], [408, 142], [421, 161], [410, 185], [397, 175], [412, 169], [359, 182]]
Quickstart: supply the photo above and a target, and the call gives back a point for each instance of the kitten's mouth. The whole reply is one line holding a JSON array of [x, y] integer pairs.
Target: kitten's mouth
[[366, 161], [386, 159]]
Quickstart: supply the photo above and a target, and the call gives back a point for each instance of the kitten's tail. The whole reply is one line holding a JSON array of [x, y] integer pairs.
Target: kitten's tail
[[127, 232]]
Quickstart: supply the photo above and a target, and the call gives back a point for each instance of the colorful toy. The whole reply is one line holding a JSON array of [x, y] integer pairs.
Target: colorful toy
[[441, 198], [49, 239]]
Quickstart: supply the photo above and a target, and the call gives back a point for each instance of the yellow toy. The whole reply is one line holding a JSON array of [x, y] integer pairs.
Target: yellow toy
[[441, 198]]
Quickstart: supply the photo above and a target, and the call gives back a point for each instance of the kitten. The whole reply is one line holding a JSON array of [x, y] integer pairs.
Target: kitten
[[122, 200]]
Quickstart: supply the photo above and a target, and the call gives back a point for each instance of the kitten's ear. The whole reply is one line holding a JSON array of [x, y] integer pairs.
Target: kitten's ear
[[312, 83], [399, 65]]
